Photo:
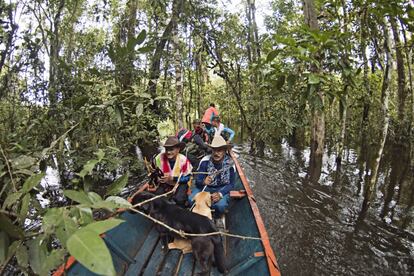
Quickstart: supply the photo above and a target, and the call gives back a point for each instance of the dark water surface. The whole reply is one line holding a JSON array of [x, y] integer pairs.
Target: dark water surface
[[322, 229]]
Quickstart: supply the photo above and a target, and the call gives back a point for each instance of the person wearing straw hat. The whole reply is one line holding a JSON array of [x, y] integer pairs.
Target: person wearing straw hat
[[173, 164], [216, 174]]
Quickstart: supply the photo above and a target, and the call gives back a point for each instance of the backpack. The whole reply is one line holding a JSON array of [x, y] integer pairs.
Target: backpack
[[184, 135]]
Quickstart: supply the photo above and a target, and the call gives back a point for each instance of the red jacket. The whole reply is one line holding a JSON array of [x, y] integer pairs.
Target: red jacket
[[209, 114]]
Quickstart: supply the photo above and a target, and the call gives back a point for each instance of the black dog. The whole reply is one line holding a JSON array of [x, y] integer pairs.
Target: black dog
[[189, 222]]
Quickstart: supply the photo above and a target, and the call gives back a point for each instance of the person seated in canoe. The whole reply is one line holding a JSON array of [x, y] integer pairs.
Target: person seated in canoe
[[222, 130], [173, 164], [195, 148], [216, 175], [199, 130]]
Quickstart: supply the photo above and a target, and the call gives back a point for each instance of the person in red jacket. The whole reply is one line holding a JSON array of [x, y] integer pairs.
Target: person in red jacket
[[208, 119]]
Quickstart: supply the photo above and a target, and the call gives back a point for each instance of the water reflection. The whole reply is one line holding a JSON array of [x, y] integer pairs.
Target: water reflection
[[320, 228]]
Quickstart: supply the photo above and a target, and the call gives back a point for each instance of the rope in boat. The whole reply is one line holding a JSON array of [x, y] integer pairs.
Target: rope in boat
[[185, 235], [180, 232], [161, 195]]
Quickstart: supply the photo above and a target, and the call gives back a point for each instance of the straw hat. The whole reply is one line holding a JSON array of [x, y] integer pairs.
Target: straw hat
[[219, 142], [173, 141]]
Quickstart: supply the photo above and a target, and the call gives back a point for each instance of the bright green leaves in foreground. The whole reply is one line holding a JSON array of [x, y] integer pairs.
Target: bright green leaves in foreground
[[118, 185], [40, 260], [90, 249]]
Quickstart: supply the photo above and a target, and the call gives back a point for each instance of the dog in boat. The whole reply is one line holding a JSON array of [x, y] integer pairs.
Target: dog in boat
[[202, 202], [204, 247], [202, 206]]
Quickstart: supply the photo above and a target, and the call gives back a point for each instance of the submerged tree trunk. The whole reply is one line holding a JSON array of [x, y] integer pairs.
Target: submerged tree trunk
[[343, 116], [318, 114], [402, 127], [363, 156], [343, 103], [385, 93], [256, 107]]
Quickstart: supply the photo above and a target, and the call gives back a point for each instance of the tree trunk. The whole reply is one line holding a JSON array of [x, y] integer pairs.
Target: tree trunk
[[318, 115], [178, 82], [409, 55], [385, 93], [234, 85], [10, 36], [201, 76], [154, 72], [343, 115], [54, 57], [343, 103], [256, 107], [402, 88]]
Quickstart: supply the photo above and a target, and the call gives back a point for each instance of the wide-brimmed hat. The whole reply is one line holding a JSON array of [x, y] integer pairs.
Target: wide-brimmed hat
[[173, 141], [219, 143]]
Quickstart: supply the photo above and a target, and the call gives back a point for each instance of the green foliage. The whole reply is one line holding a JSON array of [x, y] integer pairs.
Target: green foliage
[[74, 97], [118, 185]]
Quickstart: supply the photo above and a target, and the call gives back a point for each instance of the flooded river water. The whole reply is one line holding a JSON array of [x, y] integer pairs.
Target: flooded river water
[[321, 228]]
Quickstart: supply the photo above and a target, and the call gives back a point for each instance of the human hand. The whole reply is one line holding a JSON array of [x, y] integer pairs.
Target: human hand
[[215, 197], [208, 180], [168, 179]]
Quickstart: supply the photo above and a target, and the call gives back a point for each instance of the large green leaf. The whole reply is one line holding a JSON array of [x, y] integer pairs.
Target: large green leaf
[[145, 49], [119, 201], [13, 248], [40, 260], [22, 256], [4, 246], [11, 199], [141, 37], [85, 214], [88, 167], [66, 227], [100, 227], [272, 55], [52, 219], [78, 196], [23, 162], [94, 197], [25, 205], [11, 229], [118, 185], [109, 205], [90, 250], [32, 181], [53, 260], [37, 255]]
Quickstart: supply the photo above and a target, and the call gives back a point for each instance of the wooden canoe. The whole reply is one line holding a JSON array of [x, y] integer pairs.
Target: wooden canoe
[[136, 249]]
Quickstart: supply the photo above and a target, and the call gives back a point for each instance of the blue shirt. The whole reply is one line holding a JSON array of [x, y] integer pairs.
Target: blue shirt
[[220, 187]]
